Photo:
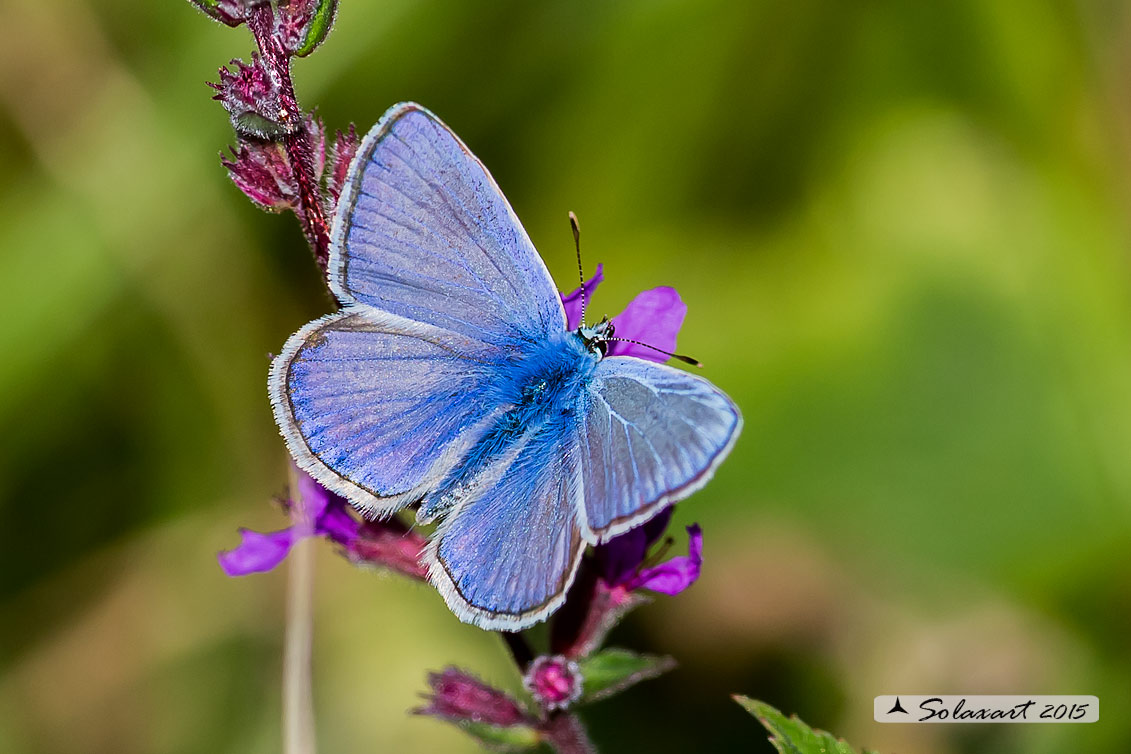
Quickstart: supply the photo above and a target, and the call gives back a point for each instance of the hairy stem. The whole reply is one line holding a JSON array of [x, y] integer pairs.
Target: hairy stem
[[565, 733], [519, 648], [311, 213]]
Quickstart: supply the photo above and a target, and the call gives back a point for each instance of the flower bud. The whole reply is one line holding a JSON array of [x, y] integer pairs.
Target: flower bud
[[457, 696], [554, 681]]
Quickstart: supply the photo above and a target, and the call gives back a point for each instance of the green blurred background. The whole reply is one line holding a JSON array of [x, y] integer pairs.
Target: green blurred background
[[902, 232]]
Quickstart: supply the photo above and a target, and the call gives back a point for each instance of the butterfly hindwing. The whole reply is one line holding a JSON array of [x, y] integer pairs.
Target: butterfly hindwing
[[423, 231], [508, 552], [378, 408], [650, 436]]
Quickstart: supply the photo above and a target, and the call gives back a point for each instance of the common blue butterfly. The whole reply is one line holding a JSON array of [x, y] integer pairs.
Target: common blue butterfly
[[449, 378]]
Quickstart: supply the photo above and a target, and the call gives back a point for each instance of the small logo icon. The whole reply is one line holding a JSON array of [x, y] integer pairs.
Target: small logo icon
[[898, 708]]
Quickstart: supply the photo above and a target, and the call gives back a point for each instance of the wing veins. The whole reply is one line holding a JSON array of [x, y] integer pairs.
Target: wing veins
[[447, 198], [416, 230]]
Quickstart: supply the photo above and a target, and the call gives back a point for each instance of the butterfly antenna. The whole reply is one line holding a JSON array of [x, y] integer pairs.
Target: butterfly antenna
[[681, 357], [580, 271]]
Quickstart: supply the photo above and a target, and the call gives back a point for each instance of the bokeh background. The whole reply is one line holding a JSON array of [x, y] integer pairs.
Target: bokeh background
[[902, 230]]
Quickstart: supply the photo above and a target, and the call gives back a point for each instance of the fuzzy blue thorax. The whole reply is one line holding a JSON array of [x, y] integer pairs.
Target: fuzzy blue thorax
[[541, 390]]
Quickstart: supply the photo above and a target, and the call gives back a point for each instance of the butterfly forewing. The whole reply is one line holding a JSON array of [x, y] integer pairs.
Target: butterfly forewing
[[423, 231]]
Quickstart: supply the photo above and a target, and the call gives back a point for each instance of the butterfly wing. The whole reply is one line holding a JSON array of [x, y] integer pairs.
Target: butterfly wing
[[437, 277], [423, 231], [508, 552], [378, 408], [651, 435]]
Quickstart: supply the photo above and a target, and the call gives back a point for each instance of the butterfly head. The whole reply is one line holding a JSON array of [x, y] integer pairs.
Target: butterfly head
[[596, 337]]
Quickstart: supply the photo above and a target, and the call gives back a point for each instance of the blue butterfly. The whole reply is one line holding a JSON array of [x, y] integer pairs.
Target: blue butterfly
[[449, 378]]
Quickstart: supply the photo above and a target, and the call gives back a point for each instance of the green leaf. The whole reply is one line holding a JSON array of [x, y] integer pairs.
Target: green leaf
[[500, 738], [318, 26], [790, 735], [613, 670]]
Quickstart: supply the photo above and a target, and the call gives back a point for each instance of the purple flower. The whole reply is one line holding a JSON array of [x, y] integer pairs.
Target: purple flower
[[653, 317], [458, 697], [315, 511], [572, 300], [554, 681], [673, 576], [622, 559], [299, 26]]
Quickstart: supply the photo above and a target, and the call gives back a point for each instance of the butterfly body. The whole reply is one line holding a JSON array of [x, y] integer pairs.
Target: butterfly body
[[449, 378], [537, 390]]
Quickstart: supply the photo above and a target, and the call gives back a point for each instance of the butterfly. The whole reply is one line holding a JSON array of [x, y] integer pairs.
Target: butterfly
[[449, 379]]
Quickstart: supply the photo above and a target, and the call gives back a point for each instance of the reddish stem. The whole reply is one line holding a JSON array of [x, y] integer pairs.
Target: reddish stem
[[311, 213], [566, 735]]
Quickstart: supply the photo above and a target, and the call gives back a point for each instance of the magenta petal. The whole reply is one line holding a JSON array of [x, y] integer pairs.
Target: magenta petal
[[622, 555], [673, 576], [312, 498], [653, 317], [257, 552], [337, 524], [695, 544], [324, 512], [572, 300]]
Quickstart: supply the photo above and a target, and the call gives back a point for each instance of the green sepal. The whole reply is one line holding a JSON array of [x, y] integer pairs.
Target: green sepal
[[225, 13], [318, 27], [613, 670], [251, 123], [502, 738]]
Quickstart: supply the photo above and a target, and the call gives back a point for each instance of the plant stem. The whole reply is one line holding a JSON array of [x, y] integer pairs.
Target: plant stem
[[298, 697], [311, 213], [519, 649], [565, 733]]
